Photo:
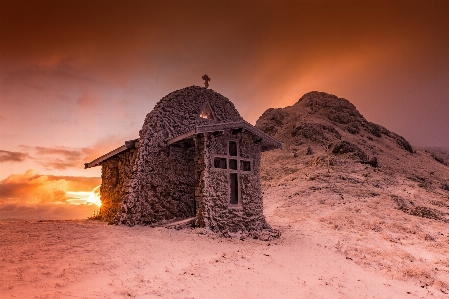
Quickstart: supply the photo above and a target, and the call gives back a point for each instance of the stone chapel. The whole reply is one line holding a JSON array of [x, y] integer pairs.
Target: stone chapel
[[196, 158]]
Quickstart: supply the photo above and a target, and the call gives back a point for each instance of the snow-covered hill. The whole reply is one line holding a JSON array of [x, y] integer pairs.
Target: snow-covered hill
[[393, 218]]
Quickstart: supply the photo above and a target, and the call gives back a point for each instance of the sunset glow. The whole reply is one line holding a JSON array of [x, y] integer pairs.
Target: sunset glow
[[77, 78], [95, 197], [82, 197], [224, 149]]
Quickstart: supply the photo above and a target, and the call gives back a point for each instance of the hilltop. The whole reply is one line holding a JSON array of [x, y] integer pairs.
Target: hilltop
[[393, 218]]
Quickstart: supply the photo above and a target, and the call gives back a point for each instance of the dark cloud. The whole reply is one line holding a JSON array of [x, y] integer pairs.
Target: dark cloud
[[118, 38], [7, 156], [59, 157], [66, 153]]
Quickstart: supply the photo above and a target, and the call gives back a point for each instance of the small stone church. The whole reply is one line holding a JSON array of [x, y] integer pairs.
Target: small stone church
[[197, 159]]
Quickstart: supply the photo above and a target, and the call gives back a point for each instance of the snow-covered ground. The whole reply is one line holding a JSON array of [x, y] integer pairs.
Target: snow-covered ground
[[86, 259], [376, 217]]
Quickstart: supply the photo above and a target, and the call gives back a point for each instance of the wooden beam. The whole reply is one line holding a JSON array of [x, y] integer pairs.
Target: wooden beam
[[130, 144], [97, 161], [268, 142], [181, 137]]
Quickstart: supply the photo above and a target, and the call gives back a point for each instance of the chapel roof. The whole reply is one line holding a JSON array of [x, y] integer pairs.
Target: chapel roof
[[187, 112], [181, 110]]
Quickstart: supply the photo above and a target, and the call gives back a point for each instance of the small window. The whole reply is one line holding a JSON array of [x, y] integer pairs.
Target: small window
[[220, 163], [232, 148], [233, 164], [234, 188], [245, 165], [206, 112]]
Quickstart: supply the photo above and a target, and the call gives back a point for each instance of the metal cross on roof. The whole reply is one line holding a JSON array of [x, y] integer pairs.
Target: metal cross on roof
[[206, 80]]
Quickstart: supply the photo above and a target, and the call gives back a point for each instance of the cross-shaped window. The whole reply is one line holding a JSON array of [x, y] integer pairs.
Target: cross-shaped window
[[234, 165]]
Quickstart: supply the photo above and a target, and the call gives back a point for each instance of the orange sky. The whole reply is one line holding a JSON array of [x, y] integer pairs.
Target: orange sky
[[78, 77]]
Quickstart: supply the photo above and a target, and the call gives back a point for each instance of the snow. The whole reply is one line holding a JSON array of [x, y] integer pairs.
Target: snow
[[87, 259], [343, 236]]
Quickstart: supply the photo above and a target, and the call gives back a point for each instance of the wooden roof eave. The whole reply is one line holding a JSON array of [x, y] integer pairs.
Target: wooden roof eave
[[268, 142], [128, 145]]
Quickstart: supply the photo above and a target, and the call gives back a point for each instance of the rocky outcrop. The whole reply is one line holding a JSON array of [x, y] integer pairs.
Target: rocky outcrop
[[345, 147], [321, 120]]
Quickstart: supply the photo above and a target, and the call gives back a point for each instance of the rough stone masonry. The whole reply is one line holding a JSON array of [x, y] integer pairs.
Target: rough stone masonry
[[195, 158]]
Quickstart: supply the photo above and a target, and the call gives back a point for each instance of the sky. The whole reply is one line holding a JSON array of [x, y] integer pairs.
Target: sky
[[77, 78]]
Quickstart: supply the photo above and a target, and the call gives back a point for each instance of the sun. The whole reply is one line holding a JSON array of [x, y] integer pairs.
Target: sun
[[85, 197], [94, 196]]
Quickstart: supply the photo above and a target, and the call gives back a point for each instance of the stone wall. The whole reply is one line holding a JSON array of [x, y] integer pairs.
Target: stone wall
[[159, 186], [165, 186], [173, 182], [199, 179], [115, 175], [218, 213]]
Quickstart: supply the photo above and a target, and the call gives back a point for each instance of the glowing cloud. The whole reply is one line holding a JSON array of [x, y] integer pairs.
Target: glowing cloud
[[34, 196], [82, 197]]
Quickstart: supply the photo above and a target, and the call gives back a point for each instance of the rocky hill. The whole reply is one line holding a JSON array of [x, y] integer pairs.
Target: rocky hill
[[320, 119], [392, 218], [329, 130]]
